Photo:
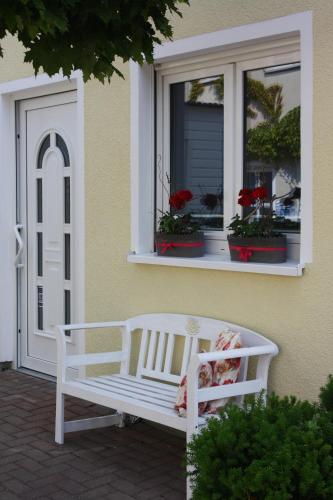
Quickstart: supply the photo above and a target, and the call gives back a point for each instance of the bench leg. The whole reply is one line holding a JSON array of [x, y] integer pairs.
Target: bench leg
[[189, 435], [122, 420], [59, 419]]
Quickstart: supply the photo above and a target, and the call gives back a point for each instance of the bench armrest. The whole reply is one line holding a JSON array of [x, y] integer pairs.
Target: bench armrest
[[90, 326], [205, 357], [65, 360], [196, 395]]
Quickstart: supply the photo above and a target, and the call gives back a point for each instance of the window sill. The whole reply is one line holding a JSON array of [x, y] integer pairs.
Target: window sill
[[219, 263]]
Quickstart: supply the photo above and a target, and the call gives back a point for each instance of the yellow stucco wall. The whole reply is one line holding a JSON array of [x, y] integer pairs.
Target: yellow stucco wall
[[297, 313]]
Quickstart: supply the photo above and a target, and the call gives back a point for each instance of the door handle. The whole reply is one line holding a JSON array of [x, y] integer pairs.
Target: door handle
[[20, 245]]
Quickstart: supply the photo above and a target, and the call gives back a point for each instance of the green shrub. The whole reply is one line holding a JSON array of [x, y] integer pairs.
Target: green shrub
[[326, 394], [279, 451]]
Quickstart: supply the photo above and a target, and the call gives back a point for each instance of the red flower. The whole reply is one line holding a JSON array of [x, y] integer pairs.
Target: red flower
[[185, 194], [245, 200], [179, 199], [176, 202], [245, 191], [260, 192]]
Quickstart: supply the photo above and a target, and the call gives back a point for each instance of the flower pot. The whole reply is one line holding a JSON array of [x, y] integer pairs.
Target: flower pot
[[271, 250], [180, 245]]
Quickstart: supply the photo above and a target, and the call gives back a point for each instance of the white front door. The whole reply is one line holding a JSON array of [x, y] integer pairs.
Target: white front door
[[47, 151]]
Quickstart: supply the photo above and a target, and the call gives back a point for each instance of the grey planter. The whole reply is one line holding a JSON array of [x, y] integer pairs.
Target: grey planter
[[180, 245], [266, 250]]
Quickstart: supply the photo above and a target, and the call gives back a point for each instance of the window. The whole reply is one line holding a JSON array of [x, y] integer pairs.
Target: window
[[200, 123], [272, 146], [222, 111], [196, 146]]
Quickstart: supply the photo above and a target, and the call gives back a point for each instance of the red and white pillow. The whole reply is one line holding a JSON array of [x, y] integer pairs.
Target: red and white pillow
[[213, 374]]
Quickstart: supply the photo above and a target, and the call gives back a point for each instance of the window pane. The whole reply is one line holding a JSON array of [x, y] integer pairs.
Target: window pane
[[40, 254], [67, 307], [60, 143], [42, 150], [40, 308], [196, 149], [272, 138], [67, 256], [67, 198], [39, 200]]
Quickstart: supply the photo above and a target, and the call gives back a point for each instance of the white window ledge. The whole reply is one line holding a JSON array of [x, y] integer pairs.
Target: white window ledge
[[220, 263]]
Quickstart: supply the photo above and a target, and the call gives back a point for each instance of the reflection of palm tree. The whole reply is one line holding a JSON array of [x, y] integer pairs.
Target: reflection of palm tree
[[269, 99], [198, 87]]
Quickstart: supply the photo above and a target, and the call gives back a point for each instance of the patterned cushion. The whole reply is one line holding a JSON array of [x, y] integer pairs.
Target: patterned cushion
[[225, 371], [205, 380], [212, 374]]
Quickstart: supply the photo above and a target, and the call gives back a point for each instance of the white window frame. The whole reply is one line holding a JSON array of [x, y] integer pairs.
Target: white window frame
[[250, 40]]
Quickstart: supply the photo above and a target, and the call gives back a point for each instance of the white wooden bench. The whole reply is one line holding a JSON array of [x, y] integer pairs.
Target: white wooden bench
[[151, 392]]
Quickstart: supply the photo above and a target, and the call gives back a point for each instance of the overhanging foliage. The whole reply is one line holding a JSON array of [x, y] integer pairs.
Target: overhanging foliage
[[87, 34]]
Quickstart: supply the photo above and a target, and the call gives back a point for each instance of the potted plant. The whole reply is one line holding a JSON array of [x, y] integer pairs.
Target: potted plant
[[178, 234], [254, 237]]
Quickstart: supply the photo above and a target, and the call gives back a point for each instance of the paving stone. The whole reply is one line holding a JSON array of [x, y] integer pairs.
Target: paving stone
[[140, 462], [7, 495], [18, 487]]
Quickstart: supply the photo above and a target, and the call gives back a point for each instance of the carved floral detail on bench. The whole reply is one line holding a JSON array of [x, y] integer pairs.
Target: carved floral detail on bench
[[192, 326]]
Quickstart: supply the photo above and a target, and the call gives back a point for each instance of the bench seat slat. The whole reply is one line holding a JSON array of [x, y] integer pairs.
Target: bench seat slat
[[116, 392], [136, 384], [133, 391], [149, 411], [168, 377], [151, 383]]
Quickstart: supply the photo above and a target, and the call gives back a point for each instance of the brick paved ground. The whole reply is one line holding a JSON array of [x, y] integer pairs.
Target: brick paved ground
[[139, 462]]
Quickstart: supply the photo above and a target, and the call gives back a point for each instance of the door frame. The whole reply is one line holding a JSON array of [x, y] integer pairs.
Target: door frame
[[10, 93]]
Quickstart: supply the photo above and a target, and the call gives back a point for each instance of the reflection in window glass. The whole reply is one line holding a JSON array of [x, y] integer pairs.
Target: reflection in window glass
[[196, 150], [272, 139]]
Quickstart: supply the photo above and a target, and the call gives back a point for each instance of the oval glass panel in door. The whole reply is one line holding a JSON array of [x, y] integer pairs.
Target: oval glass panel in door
[[42, 150], [60, 143]]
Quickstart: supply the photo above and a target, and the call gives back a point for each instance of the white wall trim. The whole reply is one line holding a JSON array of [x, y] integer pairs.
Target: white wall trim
[[10, 92], [142, 157], [142, 114], [217, 40]]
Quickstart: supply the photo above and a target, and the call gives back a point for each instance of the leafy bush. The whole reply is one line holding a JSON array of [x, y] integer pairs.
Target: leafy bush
[[273, 141], [280, 451], [326, 395]]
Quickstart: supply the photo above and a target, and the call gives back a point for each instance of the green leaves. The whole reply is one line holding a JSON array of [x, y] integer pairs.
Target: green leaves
[[177, 224], [280, 451], [274, 141], [263, 227], [70, 34]]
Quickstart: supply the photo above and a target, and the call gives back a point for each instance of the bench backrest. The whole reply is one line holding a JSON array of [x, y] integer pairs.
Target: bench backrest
[[160, 336]]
